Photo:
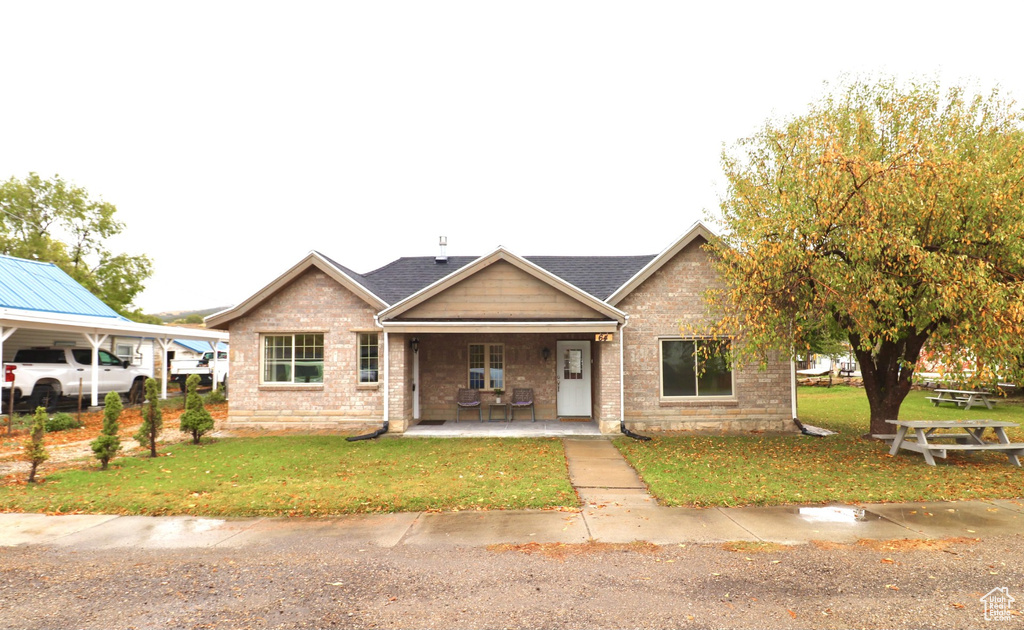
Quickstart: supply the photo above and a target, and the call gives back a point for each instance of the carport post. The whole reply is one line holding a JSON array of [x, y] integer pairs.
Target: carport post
[[95, 340], [4, 334], [165, 343], [213, 368]]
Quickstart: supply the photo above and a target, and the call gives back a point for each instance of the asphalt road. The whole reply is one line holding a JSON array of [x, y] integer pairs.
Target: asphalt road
[[321, 583]]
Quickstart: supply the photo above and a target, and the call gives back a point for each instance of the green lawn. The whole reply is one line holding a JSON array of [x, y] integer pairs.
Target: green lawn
[[706, 470], [311, 475]]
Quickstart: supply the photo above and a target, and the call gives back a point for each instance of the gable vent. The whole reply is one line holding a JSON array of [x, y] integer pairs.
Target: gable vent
[[442, 257]]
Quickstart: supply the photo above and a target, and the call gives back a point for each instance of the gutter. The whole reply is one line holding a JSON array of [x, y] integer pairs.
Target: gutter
[[384, 429], [622, 386]]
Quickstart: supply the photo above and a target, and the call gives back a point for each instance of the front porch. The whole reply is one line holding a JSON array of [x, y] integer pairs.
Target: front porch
[[515, 429], [573, 377]]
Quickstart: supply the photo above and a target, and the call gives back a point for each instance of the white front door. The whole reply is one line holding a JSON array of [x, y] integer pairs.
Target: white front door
[[574, 378]]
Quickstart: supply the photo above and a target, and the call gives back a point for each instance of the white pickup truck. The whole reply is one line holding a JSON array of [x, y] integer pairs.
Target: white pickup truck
[[182, 368], [44, 375]]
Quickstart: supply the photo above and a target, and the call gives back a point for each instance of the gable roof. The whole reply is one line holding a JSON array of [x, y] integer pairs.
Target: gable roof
[[608, 279], [697, 230], [44, 287], [501, 254], [345, 277]]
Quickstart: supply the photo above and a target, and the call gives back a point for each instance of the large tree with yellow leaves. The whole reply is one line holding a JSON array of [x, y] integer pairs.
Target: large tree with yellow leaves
[[893, 211]]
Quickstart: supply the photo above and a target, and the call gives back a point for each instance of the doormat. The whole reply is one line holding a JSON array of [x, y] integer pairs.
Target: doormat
[[432, 423], [574, 419]]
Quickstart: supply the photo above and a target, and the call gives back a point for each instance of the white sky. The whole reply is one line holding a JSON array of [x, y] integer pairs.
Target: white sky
[[235, 137]]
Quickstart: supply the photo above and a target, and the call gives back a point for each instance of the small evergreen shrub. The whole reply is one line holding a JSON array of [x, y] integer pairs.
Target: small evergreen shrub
[[35, 452], [152, 418], [196, 419], [62, 421], [107, 444]]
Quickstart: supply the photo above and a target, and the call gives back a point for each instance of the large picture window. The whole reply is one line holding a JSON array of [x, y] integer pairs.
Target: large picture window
[[369, 358], [293, 358], [695, 368], [486, 366]]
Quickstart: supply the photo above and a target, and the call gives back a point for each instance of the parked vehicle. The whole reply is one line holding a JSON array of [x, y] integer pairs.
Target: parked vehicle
[[181, 369], [43, 375]]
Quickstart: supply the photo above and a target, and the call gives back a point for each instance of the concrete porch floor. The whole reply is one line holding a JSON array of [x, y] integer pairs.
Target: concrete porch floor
[[517, 428]]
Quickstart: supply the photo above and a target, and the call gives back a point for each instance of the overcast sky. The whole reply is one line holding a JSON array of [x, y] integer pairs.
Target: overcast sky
[[235, 137]]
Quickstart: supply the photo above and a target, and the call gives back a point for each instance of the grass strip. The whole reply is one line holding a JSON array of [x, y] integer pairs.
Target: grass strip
[[311, 475], [766, 469]]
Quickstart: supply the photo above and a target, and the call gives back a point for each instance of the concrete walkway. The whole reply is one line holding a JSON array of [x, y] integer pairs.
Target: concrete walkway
[[616, 509]]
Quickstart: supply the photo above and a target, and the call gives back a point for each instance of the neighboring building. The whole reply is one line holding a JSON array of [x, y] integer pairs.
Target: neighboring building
[[594, 336], [42, 306]]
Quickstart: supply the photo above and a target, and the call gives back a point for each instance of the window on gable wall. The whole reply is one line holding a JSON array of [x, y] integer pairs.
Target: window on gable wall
[[695, 368], [293, 358], [486, 366]]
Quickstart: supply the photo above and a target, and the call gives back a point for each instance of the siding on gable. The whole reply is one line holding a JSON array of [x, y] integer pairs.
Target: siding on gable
[[501, 291]]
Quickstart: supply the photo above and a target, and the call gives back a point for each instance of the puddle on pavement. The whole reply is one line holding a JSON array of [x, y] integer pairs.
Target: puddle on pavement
[[178, 526], [836, 514]]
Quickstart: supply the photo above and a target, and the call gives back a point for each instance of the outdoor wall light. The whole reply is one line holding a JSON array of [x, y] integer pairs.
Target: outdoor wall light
[[415, 344], [545, 353]]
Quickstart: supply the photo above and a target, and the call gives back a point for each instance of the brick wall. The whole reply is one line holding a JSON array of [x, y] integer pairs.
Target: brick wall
[[312, 303], [761, 399]]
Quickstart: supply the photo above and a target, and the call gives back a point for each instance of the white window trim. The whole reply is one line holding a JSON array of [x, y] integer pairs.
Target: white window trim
[[359, 358], [698, 396], [488, 385], [292, 383]]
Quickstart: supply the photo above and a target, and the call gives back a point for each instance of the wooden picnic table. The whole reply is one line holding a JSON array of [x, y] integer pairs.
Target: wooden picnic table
[[970, 440], [962, 398]]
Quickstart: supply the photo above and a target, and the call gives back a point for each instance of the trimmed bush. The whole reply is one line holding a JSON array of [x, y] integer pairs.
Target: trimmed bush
[[152, 418], [35, 452], [62, 421], [107, 444], [196, 419]]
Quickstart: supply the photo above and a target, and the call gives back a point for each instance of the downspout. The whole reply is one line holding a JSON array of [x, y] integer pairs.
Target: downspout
[[622, 386], [384, 429]]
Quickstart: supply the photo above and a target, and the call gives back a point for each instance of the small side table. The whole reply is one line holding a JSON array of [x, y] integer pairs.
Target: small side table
[[504, 412]]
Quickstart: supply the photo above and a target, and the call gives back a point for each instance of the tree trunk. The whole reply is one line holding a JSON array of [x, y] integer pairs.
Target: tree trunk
[[887, 370]]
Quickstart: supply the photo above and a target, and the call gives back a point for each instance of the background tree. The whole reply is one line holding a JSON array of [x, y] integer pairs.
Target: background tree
[[152, 418], [54, 221], [195, 419], [107, 444], [35, 452], [897, 212]]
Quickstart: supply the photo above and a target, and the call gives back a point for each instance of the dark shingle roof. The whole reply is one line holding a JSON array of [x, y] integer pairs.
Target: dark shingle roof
[[599, 276]]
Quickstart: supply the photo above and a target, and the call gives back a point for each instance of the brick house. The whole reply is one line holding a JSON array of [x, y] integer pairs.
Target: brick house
[[595, 337]]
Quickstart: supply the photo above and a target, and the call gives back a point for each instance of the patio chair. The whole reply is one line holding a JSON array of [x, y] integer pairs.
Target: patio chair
[[468, 399], [522, 397]]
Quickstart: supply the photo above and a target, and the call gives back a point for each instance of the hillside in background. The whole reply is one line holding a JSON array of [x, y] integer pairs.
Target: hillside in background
[[174, 316]]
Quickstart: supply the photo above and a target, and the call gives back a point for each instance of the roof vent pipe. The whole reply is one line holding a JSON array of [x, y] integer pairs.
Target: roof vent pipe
[[442, 257]]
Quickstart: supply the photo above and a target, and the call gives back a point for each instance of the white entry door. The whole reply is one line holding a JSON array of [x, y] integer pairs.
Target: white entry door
[[574, 378]]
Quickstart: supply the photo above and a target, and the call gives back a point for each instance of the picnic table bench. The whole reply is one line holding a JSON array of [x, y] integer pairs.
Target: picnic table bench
[[968, 441], [962, 398]]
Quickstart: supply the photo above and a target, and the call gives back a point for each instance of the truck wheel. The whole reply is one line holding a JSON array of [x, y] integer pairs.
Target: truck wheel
[[182, 387], [43, 396], [137, 393]]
